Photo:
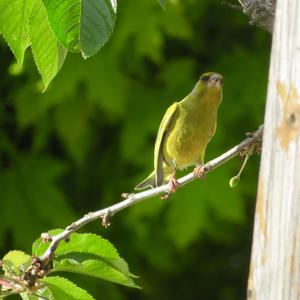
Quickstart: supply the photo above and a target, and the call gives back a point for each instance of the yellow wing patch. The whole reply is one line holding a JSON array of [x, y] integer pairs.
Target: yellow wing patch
[[158, 155]]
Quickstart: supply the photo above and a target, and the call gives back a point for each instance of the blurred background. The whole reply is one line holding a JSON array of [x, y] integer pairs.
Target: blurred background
[[90, 137]]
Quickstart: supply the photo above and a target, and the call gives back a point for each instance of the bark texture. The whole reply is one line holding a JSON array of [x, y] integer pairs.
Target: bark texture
[[275, 262], [260, 12]]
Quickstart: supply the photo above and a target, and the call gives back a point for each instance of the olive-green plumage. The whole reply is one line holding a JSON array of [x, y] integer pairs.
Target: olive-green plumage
[[185, 130]]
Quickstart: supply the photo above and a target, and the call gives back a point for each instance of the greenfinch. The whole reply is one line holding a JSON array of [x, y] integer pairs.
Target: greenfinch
[[185, 131]]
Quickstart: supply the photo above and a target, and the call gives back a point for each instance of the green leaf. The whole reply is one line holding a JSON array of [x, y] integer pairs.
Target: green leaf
[[39, 294], [14, 260], [62, 288], [83, 242], [14, 25], [26, 296], [88, 254], [82, 25], [95, 268], [114, 5], [48, 54]]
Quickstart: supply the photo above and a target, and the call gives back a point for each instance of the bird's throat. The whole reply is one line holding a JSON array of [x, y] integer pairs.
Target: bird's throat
[[202, 103]]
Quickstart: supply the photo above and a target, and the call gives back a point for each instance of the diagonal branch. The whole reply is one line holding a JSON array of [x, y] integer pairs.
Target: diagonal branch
[[132, 199]]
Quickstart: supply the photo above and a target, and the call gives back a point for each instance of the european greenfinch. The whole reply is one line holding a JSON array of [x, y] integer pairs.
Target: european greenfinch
[[185, 131]]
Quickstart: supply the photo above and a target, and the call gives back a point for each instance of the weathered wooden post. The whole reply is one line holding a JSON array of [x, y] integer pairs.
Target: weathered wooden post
[[275, 262]]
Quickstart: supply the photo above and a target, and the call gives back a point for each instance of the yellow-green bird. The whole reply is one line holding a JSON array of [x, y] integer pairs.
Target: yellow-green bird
[[185, 131]]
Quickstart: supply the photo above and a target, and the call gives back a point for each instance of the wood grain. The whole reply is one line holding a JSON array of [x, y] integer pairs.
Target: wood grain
[[275, 262]]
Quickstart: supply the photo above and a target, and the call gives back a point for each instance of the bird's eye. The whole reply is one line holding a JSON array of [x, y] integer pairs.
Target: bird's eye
[[205, 78]]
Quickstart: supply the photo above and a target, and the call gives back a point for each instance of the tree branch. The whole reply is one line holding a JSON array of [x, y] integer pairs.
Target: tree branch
[[132, 199], [261, 12]]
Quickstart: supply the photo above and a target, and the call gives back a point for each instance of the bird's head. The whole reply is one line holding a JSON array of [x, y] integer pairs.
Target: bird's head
[[210, 83], [211, 79]]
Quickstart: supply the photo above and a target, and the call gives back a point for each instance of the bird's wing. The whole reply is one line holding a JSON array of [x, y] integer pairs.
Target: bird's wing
[[213, 131], [158, 153]]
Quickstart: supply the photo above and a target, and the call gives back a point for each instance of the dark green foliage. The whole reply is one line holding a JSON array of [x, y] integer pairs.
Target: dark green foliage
[[90, 136]]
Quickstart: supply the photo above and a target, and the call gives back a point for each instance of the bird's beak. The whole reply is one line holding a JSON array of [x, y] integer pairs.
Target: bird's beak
[[215, 80]]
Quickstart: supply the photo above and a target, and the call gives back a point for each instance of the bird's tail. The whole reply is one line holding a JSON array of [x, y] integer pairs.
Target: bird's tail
[[148, 182], [151, 181]]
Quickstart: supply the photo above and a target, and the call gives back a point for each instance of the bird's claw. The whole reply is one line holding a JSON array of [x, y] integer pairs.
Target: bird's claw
[[173, 185], [199, 171]]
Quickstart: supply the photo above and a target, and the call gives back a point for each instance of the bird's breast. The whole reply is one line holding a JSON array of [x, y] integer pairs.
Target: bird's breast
[[186, 141]]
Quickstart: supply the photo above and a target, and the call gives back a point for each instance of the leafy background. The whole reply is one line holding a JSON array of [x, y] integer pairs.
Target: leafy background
[[89, 137]]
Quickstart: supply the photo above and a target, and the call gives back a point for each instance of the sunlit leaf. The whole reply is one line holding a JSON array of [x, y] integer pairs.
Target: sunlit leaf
[[14, 25], [94, 267], [82, 242], [14, 260], [88, 254], [48, 54], [26, 296], [62, 288], [81, 25], [114, 5]]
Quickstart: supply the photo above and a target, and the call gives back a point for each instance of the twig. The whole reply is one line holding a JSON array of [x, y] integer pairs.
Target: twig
[[233, 6], [132, 199]]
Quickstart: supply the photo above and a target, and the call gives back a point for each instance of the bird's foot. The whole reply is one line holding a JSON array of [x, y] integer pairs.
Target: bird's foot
[[199, 171], [173, 185]]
